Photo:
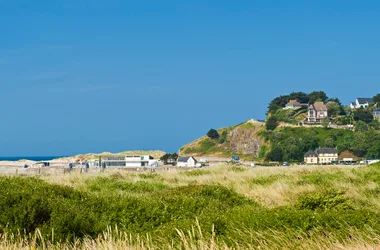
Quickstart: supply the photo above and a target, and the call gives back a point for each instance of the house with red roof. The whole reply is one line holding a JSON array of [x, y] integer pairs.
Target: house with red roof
[[317, 112]]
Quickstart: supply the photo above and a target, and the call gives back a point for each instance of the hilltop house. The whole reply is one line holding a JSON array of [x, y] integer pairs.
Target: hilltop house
[[361, 103], [294, 104], [186, 161], [321, 156], [376, 114], [317, 112]]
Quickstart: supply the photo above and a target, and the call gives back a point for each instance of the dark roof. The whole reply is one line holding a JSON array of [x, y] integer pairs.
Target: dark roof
[[326, 151], [364, 100], [184, 158], [311, 154]]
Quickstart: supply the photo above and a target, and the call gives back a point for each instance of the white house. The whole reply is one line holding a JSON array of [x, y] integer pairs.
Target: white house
[[139, 161], [361, 103], [294, 104], [186, 161], [317, 112], [124, 162]]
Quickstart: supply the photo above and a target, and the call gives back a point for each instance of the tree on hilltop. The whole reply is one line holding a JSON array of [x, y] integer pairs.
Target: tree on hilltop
[[333, 108], [278, 103], [376, 100], [317, 96], [299, 96], [341, 109], [213, 134], [271, 123]]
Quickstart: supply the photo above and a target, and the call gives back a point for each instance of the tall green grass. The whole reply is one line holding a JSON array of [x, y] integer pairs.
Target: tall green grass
[[166, 216]]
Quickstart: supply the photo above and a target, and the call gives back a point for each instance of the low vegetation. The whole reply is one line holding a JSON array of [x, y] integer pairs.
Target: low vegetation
[[219, 207]]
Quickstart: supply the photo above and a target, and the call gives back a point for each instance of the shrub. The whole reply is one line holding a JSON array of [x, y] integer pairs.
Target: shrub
[[327, 200], [271, 123], [213, 134]]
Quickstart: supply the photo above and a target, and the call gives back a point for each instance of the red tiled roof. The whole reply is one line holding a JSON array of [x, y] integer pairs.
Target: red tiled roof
[[293, 102], [319, 106]]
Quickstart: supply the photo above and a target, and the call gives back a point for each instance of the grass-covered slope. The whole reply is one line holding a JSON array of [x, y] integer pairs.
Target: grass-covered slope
[[221, 207], [243, 139]]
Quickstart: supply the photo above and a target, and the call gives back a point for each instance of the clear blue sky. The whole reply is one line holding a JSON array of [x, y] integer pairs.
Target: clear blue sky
[[90, 76]]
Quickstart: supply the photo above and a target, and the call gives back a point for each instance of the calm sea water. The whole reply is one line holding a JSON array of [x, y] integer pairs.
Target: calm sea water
[[32, 158]]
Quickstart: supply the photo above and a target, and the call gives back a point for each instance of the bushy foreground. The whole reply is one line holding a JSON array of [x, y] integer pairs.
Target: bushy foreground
[[206, 209]]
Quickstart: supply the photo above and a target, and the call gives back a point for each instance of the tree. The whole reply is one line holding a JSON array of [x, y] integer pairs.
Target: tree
[[299, 96], [361, 126], [278, 103], [165, 158], [376, 99], [175, 156], [271, 123], [213, 134], [326, 123], [363, 115], [275, 154], [316, 96], [341, 108], [333, 107]]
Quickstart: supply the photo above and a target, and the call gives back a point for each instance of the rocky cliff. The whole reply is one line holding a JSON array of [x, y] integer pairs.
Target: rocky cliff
[[243, 139]]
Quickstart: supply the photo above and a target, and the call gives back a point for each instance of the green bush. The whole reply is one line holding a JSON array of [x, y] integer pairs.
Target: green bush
[[326, 200]]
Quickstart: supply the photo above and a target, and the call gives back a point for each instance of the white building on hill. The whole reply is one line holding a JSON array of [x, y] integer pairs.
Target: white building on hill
[[361, 103]]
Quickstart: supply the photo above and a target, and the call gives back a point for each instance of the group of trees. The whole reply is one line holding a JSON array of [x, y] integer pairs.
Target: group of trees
[[166, 158], [290, 144], [364, 115], [334, 105], [279, 102]]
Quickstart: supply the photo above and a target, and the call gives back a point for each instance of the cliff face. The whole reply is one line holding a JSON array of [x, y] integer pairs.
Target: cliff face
[[242, 139], [245, 141]]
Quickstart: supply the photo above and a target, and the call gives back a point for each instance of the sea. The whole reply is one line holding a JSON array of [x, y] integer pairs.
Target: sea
[[31, 158]]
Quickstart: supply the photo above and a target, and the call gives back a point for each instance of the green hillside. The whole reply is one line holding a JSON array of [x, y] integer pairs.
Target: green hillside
[[252, 141]]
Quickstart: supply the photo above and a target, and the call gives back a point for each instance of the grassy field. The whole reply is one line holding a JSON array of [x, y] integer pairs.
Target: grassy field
[[222, 207]]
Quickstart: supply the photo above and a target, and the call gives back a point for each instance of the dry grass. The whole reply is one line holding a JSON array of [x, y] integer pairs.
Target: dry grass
[[272, 187], [193, 239]]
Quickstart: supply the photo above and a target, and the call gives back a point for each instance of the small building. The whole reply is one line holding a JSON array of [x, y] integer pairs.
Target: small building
[[139, 161], [321, 156], [317, 112], [361, 103], [347, 157], [186, 161], [376, 114], [294, 104]]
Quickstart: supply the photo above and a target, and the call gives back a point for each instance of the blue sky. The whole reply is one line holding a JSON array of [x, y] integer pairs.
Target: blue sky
[[90, 76]]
